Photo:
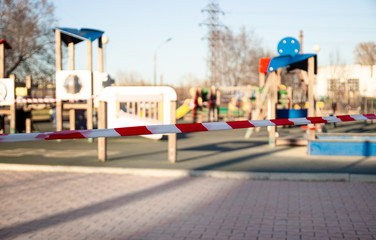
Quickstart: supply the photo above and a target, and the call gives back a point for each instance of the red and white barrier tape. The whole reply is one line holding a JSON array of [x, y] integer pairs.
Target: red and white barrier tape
[[43, 100], [35, 100], [179, 128]]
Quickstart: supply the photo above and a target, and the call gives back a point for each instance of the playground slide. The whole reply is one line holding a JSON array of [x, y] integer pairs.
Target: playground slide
[[184, 109]]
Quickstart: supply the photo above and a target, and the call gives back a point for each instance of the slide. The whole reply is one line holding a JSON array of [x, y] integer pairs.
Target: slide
[[184, 109]]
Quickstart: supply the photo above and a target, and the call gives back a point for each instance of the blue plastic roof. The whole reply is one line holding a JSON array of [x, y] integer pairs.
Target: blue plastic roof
[[77, 35], [287, 60], [288, 49]]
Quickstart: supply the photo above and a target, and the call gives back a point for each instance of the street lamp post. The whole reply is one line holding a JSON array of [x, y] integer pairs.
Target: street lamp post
[[155, 59], [105, 41]]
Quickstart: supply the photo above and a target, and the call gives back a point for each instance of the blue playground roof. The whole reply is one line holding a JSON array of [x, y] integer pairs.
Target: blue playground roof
[[292, 62], [288, 49], [77, 35]]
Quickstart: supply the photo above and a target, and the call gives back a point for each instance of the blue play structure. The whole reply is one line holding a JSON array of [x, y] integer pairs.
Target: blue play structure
[[343, 144], [288, 49], [291, 113], [78, 35], [289, 57]]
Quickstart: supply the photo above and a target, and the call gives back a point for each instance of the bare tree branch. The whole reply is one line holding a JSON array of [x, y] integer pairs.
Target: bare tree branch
[[240, 57], [27, 27], [365, 53]]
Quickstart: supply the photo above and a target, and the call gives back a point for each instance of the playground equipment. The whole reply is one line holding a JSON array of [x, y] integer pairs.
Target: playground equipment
[[210, 98], [180, 128], [17, 109], [137, 106], [270, 79], [25, 104], [3, 45], [75, 90], [197, 100], [184, 108], [7, 91], [236, 101], [343, 144], [239, 100], [172, 129], [190, 104]]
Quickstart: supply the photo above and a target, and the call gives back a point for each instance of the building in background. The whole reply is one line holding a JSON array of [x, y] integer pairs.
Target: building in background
[[350, 88]]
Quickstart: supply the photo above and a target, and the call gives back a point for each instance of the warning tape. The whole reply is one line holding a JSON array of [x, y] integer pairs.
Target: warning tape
[[41, 100], [179, 128], [35, 100]]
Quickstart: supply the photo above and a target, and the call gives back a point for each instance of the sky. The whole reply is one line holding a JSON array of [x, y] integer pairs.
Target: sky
[[138, 29]]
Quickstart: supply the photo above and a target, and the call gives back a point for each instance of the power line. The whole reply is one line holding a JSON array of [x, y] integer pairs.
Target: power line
[[215, 38], [305, 14]]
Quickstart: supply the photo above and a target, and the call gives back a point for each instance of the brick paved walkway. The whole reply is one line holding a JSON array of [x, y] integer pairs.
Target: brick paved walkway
[[36, 205]]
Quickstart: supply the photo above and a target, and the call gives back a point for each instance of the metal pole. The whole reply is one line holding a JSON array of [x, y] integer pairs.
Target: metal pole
[[155, 68], [155, 59]]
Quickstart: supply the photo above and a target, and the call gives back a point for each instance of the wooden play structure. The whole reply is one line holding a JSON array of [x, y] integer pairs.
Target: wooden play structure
[[209, 98], [10, 103], [7, 91], [137, 106], [238, 100], [270, 79], [26, 103], [75, 90]]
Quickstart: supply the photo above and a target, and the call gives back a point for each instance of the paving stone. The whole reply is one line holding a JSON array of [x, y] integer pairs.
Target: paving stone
[[38, 205]]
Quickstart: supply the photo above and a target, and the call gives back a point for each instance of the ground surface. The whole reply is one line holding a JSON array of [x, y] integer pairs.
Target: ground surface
[[67, 205], [37, 205], [217, 150]]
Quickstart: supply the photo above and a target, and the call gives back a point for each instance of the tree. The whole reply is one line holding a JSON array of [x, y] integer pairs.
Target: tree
[[365, 53], [27, 26], [129, 79], [335, 57], [240, 57]]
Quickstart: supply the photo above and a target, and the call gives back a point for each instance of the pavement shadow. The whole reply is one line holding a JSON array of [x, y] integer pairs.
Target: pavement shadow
[[217, 147], [221, 147], [226, 146], [122, 157], [164, 140], [232, 161], [72, 215], [352, 127], [360, 130], [352, 165]]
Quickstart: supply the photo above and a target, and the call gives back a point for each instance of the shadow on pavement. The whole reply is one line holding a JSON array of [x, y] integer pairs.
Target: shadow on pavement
[[59, 218], [232, 161]]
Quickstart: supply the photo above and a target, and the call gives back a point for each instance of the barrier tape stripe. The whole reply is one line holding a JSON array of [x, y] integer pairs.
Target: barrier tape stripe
[[179, 128], [42, 100], [35, 100]]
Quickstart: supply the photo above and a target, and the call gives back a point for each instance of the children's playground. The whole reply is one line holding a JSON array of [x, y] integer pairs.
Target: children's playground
[[92, 160], [86, 104]]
